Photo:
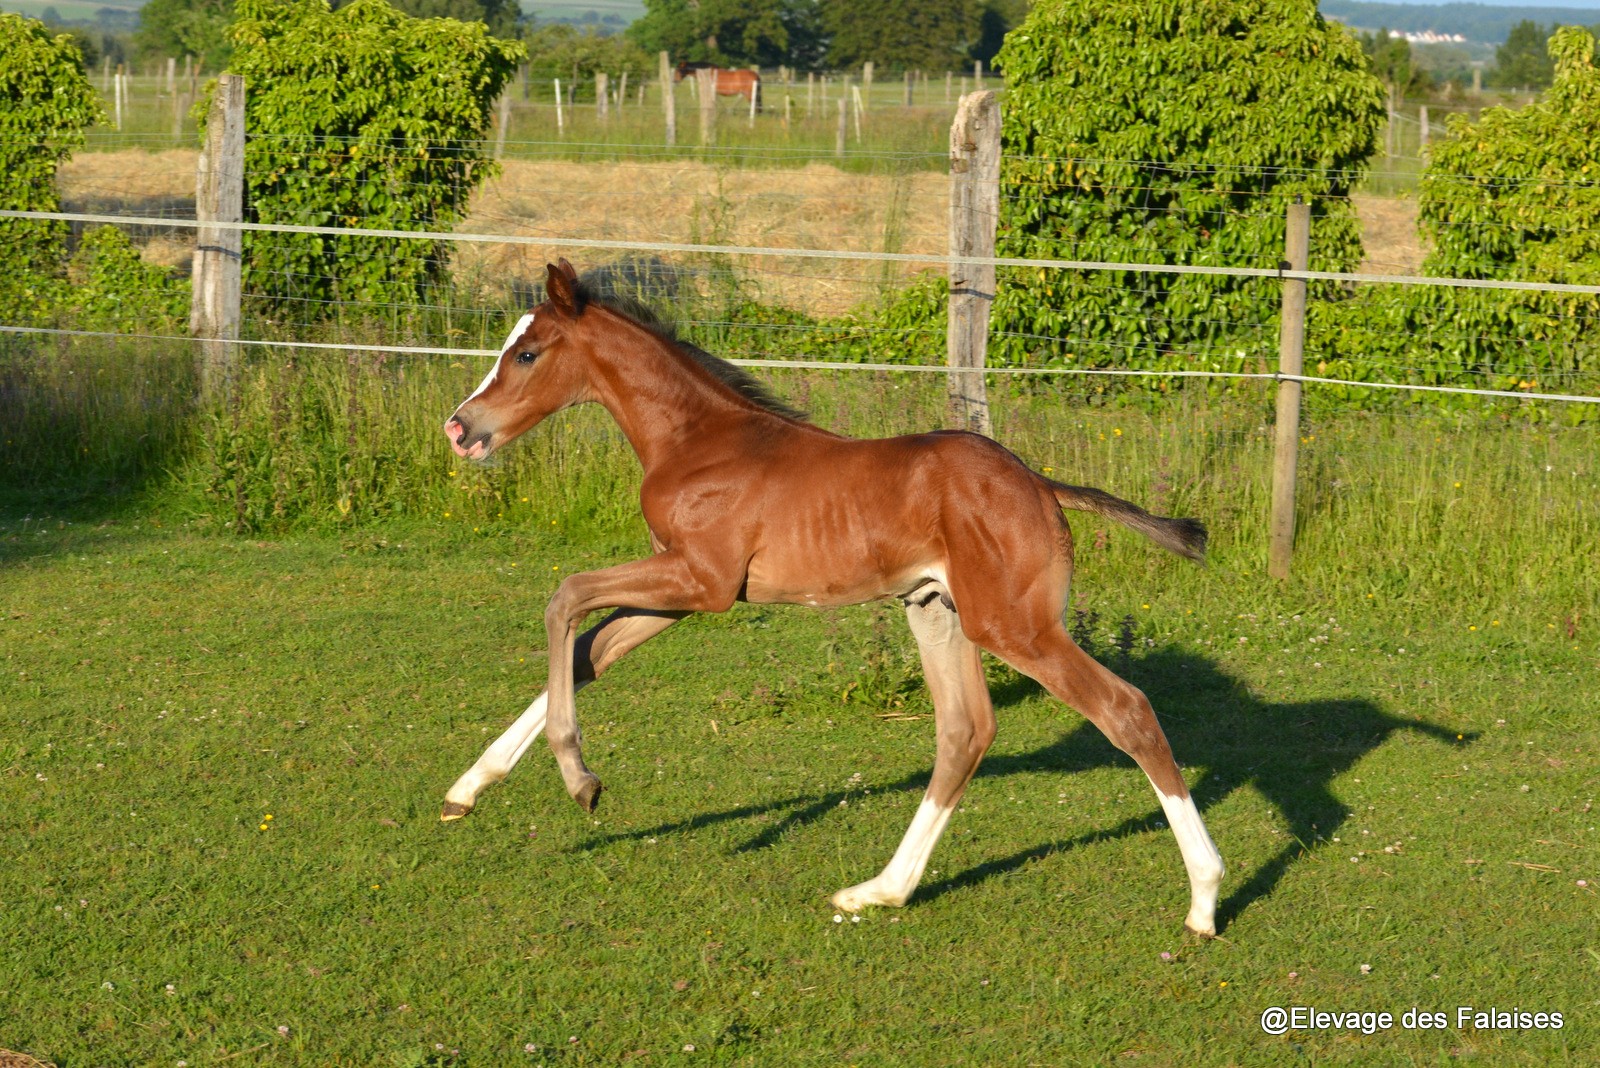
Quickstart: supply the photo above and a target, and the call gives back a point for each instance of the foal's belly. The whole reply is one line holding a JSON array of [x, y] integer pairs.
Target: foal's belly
[[837, 571]]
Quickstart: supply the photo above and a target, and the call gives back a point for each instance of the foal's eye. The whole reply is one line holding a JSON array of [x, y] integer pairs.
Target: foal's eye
[[525, 356]]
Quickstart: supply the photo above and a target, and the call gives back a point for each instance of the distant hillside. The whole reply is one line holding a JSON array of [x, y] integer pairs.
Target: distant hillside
[[1483, 23]]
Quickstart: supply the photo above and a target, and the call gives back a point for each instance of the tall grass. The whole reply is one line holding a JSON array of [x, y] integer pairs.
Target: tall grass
[[91, 416], [1471, 511]]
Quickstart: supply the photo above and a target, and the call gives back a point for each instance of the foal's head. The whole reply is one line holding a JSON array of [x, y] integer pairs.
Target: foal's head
[[540, 370]]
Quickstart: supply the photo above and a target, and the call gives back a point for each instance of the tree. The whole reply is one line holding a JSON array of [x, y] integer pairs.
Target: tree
[[561, 50], [931, 35], [1510, 197], [46, 102], [1172, 133], [1390, 58], [732, 32], [186, 27], [360, 117], [1513, 195], [1522, 62], [996, 18], [500, 16]]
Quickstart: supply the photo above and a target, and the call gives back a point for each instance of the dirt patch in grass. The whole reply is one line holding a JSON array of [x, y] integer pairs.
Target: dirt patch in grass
[[1389, 235]]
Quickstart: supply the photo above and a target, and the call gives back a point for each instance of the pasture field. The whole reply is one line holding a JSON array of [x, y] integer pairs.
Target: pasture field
[[798, 204], [221, 761], [156, 119]]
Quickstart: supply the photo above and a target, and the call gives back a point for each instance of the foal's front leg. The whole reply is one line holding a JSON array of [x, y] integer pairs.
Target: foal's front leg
[[664, 583], [597, 649]]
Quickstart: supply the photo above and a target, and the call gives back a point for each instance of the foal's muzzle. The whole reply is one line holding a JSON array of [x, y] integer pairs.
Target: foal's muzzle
[[464, 441]]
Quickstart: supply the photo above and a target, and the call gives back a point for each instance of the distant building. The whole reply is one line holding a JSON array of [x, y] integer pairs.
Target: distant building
[[1429, 37]]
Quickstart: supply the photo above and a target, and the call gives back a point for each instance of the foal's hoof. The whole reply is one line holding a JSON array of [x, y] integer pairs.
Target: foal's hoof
[[453, 810], [588, 795]]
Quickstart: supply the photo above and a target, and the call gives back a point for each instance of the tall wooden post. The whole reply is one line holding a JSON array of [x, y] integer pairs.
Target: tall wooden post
[[838, 141], [706, 79], [218, 254], [909, 82], [602, 96], [503, 124], [622, 91], [1391, 132], [811, 89], [1291, 348], [1422, 124], [669, 98], [974, 216], [561, 118], [866, 80]]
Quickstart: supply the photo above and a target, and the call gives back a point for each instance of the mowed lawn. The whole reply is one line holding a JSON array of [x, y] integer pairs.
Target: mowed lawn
[[221, 763]]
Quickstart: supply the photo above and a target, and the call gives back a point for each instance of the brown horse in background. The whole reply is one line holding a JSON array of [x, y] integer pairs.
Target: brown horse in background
[[746, 501], [745, 83]]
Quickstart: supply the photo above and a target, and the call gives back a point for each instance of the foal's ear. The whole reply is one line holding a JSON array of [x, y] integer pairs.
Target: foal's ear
[[561, 286]]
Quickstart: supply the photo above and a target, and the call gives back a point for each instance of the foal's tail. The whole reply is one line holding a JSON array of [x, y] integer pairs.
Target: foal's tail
[[1186, 537]]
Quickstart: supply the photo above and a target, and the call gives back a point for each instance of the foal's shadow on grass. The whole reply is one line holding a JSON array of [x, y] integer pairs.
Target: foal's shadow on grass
[[1289, 752]]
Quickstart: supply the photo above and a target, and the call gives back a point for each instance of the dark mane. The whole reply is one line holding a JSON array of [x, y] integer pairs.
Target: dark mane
[[741, 382]]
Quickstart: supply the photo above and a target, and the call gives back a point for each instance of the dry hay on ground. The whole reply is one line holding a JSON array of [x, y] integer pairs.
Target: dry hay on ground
[[10, 1059], [1389, 235], [681, 202], [687, 202]]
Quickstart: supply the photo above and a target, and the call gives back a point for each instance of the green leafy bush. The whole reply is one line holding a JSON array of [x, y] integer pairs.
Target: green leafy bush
[[110, 288], [1173, 132], [1515, 196], [360, 117], [45, 104]]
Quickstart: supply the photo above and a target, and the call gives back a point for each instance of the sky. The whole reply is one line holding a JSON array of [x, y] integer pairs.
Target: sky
[[1581, 5]]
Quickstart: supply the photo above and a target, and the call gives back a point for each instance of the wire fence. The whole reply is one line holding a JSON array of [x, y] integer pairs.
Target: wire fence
[[769, 265]]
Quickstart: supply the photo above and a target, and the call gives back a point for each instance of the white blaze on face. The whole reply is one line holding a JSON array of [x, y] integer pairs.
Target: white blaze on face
[[516, 332]]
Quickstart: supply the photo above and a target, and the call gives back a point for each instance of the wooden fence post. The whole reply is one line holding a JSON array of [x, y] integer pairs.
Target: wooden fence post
[[561, 119], [1422, 123], [669, 97], [866, 80], [706, 79], [838, 141], [622, 92], [602, 95], [909, 83], [1291, 348], [218, 254], [974, 217], [504, 115]]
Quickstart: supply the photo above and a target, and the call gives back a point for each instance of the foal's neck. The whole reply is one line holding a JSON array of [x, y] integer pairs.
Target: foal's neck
[[659, 395]]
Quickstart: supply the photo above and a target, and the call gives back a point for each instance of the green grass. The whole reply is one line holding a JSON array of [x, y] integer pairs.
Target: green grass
[[1423, 685]]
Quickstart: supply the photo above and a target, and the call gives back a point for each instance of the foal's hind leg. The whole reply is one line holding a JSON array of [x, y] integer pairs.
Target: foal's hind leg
[[965, 723], [1123, 714], [596, 649]]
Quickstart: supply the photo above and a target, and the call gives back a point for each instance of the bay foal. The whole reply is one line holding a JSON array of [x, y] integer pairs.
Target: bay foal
[[746, 501]]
